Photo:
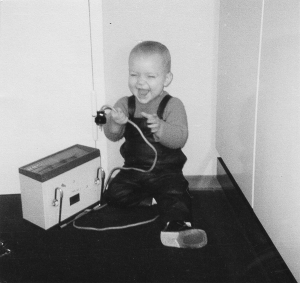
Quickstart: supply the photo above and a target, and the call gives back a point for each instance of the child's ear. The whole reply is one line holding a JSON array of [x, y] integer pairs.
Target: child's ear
[[169, 78]]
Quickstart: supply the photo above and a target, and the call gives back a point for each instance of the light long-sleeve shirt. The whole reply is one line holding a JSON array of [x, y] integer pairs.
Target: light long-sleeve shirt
[[173, 131]]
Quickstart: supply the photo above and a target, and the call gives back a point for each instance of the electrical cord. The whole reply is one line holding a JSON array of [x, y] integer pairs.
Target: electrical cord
[[103, 108], [98, 207], [112, 227]]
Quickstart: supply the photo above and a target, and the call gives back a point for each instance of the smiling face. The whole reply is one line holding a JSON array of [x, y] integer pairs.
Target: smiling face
[[147, 76]]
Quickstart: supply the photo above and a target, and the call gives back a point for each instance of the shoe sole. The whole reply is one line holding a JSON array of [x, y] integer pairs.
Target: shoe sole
[[188, 239]]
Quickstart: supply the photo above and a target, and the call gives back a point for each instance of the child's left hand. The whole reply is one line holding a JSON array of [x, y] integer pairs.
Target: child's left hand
[[153, 121]]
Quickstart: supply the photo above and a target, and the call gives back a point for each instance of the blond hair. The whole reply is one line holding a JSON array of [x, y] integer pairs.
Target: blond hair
[[153, 47]]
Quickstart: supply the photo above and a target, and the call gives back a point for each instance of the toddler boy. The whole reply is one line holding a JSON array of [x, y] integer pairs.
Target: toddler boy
[[163, 121]]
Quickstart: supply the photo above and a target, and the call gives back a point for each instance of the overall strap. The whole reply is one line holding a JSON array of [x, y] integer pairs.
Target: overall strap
[[162, 106], [160, 110], [131, 106]]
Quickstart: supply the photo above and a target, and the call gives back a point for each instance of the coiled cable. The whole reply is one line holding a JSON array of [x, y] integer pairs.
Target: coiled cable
[[103, 108], [98, 207]]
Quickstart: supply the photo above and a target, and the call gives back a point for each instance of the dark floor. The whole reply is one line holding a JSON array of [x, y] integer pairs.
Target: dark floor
[[136, 254]]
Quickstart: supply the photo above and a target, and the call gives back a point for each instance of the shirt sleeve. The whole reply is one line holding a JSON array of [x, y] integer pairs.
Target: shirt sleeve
[[173, 132], [112, 130]]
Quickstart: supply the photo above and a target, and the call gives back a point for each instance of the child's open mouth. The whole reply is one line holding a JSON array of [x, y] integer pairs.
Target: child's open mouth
[[143, 92]]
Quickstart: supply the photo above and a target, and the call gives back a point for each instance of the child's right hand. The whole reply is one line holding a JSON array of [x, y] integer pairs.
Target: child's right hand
[[118, 116]]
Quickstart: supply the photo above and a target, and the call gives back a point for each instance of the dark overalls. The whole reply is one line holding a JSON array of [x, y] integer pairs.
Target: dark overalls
[[165, 183]]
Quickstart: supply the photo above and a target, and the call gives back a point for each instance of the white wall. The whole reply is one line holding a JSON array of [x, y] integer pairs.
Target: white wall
[[189, 29], [277, 166], [46, 81], [258, 113], [46, 73], [239, 40]]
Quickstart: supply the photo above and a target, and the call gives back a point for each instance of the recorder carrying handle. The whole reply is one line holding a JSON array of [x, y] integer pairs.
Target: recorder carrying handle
[[57, 202]]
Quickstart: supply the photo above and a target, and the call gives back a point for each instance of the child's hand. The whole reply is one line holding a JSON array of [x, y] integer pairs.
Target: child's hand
[[119, 117], [153, 121]]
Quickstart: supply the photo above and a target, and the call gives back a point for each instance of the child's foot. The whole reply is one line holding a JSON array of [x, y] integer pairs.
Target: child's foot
[[179, 235]]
